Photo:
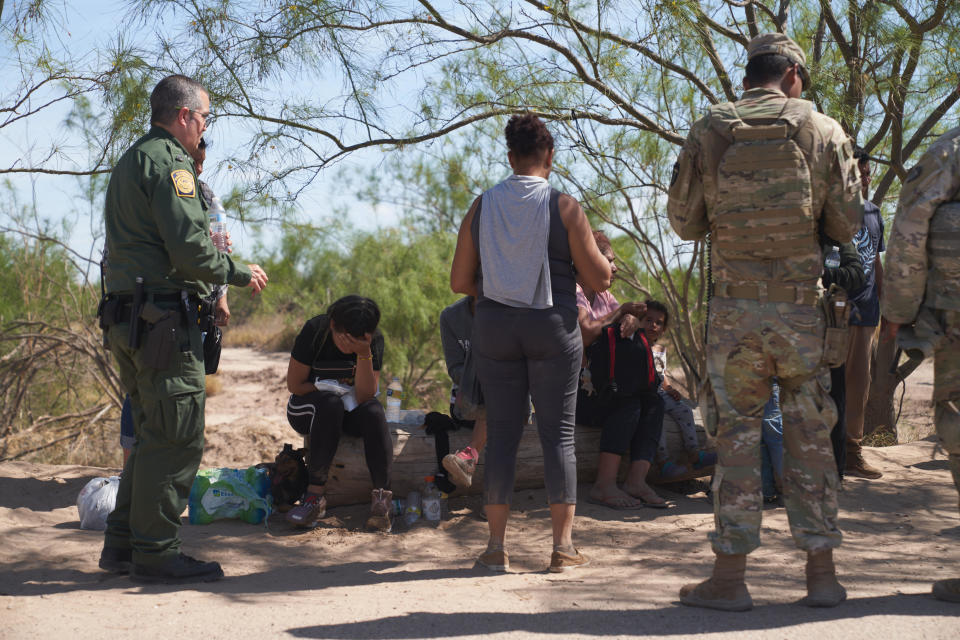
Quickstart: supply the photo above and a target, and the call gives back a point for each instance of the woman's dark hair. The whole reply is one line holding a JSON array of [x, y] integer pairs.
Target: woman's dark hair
[[603, 242], [355, 315], [656, 305], [527, 135], [767, 68]]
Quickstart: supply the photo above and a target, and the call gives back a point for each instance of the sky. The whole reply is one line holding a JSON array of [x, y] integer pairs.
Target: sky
[[91, 24]]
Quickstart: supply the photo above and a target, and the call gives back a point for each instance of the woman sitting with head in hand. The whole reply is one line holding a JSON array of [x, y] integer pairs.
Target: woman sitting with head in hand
[[333, 376]]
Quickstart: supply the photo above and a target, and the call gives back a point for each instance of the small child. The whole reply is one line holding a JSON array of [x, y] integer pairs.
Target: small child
[[654, 324]]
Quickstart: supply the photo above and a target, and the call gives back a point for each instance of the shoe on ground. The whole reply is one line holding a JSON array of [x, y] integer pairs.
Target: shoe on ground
[[307, 514], [461, 465], [947, 590], [494, 559], [116, 560], [858, 467], [180, 569], [823, 589], [725, 590], [381, 506], [560, 561]]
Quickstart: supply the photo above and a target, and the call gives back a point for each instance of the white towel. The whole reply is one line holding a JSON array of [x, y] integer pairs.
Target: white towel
[[514, 230]]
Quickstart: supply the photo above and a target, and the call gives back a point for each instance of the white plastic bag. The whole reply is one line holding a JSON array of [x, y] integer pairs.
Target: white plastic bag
[[96, 501]]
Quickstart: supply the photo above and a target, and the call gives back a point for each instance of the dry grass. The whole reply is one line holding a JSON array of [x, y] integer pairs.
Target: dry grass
[[882, 437], [269, 333]]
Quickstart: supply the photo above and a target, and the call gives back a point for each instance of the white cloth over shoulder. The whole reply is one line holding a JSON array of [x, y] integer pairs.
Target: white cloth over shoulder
[[514, 230]]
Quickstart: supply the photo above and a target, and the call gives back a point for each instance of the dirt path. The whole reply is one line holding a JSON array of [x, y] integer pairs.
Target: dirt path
[[900, 533]]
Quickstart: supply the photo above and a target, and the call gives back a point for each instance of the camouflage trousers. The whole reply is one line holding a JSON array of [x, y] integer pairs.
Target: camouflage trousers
[[749, 343], [946, 390]]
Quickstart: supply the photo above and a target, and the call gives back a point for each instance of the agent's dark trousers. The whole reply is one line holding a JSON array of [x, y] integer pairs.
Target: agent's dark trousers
[[167, 408], [320, 414], [535, 351]]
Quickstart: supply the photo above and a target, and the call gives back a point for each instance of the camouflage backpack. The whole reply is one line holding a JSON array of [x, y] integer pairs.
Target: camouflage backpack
[[764, 208]]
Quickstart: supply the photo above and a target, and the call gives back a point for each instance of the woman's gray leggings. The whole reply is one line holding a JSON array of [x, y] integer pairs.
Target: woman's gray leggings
[[535, 351]]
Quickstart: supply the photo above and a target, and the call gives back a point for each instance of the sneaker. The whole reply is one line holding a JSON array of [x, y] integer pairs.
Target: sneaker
[[308, 513], [116, 560], [461, 465], [495, 560], [560, 561], [180, 569], [381, 505], [858, 467]]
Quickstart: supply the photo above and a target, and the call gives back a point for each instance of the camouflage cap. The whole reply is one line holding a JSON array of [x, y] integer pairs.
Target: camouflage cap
[[776, 43], [781, 44]]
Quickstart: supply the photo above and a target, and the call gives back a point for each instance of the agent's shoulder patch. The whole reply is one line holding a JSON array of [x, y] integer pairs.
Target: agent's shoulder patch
[[184, 184]]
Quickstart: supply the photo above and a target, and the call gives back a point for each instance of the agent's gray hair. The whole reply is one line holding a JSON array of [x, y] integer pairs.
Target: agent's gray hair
[[170, 94]]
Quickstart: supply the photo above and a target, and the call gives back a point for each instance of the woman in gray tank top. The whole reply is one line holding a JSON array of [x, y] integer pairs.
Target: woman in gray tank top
[[516, 252]]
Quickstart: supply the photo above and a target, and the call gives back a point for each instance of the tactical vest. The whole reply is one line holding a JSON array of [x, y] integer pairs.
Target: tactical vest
[[943, 243], [764, 208]]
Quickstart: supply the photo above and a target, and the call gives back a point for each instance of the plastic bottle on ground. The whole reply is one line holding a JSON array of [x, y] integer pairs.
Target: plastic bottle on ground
[[432, 501], [394, 400], [411, 508], [218, 224]]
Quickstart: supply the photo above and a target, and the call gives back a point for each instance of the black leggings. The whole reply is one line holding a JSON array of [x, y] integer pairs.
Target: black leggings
[[320, 415], [628, 425]]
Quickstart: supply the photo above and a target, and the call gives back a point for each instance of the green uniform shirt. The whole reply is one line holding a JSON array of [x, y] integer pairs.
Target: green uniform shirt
[[157, 225]]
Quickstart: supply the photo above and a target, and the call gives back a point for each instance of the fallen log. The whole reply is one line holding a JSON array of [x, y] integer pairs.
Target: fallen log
[[415, 458]]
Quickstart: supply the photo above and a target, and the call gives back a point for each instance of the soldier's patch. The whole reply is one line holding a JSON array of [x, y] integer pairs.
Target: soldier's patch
[[675, 174], [184, 184], [914, 173]]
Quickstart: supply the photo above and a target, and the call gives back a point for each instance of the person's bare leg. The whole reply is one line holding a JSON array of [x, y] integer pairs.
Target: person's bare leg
[[605, 487], [561, 516], [126, 454], [636, 484], [497, 515]]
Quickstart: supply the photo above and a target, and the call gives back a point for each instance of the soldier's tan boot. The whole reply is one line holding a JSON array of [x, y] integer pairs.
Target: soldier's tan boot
[[947, 590], [823, 589], [725, 590]]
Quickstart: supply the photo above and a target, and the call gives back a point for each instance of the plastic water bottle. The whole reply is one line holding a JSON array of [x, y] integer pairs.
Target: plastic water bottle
[[432, 501], [218, 224], [411, 508], [397, 507], [832, 260], [394, 400]]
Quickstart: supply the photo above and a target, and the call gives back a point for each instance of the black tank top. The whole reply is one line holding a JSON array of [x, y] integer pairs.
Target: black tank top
[[563, 283]]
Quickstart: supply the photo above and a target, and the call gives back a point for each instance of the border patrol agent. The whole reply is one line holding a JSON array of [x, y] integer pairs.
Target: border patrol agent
[[921, 287], [159, 251], [766, 177]]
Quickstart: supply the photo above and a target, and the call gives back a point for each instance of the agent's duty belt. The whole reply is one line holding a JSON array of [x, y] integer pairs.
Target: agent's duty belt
[[768, 292]]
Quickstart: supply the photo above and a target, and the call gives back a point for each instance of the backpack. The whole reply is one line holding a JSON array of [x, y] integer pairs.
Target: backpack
[[288, 477], [620, 367], [764, 208]]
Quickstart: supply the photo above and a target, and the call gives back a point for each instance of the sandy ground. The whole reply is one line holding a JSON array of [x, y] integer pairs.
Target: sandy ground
[[900, 533]]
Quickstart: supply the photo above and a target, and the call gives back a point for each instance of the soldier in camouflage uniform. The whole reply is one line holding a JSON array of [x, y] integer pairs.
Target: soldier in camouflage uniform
[[157, 229], [765, 177], [921, 287]]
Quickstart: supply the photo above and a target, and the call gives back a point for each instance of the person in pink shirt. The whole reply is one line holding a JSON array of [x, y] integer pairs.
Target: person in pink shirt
[[633, 425]]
